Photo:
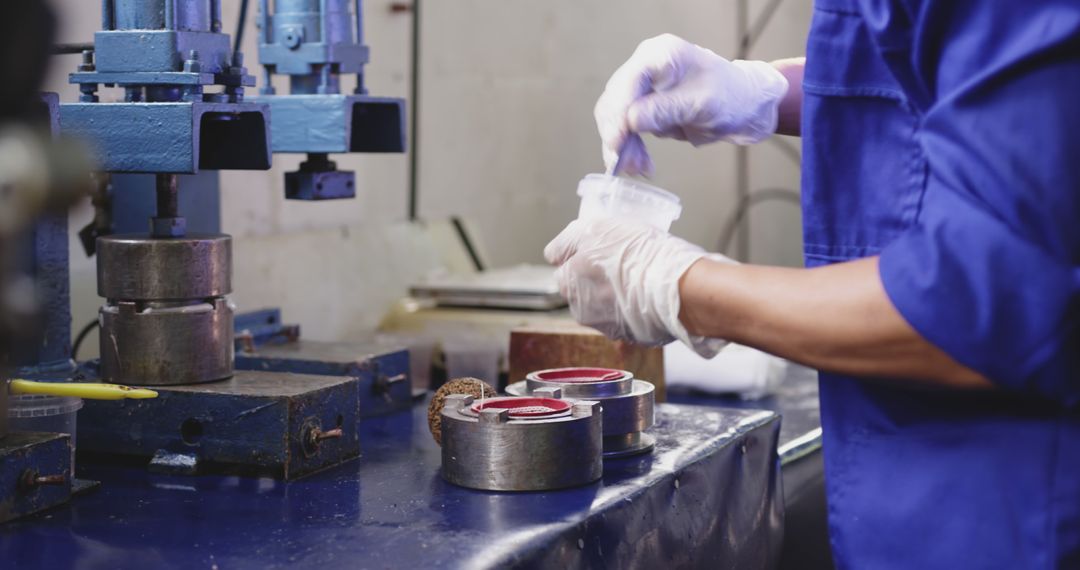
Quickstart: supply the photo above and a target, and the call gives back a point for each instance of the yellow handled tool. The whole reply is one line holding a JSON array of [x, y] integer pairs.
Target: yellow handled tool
[[90, 391]]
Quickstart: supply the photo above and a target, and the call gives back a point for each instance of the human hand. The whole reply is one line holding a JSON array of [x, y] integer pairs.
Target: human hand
[[674, 89], [621, 277]]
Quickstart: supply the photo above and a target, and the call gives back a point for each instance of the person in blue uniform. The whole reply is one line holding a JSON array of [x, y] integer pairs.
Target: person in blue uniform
[[941, 200]]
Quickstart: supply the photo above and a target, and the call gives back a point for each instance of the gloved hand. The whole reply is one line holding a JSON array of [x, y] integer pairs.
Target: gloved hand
[[621, 277], [675, 89]]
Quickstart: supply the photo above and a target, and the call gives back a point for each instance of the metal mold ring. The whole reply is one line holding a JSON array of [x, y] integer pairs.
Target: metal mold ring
[[524, 408], [628, 403], [484, 447], [582, 382]]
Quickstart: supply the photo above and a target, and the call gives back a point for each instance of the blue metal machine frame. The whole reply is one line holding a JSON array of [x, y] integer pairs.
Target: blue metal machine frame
[[46, 356], [164, 54], [381, 370]]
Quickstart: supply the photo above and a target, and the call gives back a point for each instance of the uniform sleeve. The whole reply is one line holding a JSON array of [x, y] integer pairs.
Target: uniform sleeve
[[991, 271]]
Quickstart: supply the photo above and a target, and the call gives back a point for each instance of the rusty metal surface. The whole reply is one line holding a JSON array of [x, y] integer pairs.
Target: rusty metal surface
[[165, 320], [259, 422], [381, 369], [162, 346], [34, 473]]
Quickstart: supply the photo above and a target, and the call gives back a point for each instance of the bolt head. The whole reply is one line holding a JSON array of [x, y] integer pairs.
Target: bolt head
[[292, 37]]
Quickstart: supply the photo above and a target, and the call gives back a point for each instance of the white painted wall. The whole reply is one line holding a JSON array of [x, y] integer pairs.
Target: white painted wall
[[507, 88]]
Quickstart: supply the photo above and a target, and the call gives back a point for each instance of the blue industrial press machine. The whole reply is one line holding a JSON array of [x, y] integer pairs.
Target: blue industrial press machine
[[314, 42], [287, 407], [245, 394]]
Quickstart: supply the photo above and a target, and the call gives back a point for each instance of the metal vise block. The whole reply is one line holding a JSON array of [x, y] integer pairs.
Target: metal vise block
[[278, 424], [28, 461], [182, 137], [336, 123], [382, 371]]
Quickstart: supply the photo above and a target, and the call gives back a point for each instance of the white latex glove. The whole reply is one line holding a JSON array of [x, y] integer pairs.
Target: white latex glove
[[621, 277], [675, 89], [738, 369]]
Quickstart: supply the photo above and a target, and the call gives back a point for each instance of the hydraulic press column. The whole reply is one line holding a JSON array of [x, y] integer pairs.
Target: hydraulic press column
[[165, 319], [314, 42]]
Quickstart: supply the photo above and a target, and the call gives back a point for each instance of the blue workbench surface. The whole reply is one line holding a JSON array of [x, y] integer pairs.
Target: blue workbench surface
[[795, 398], [710, 492]]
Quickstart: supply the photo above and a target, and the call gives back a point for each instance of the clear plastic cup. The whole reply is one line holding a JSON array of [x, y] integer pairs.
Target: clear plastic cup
[[604, 196], [45, 413], [471, 359]]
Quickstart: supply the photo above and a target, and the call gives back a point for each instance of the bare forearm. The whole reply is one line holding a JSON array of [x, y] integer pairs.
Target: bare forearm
[[836, 318], [791, 105]]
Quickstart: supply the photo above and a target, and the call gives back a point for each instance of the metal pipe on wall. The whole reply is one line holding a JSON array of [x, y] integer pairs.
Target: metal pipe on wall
[[414, 105]]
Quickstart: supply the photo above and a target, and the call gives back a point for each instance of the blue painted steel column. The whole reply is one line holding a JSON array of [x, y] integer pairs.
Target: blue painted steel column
[[47, 262], [184, 15]]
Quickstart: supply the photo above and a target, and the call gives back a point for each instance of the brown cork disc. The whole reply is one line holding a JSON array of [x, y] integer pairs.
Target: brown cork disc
[[470, 386]]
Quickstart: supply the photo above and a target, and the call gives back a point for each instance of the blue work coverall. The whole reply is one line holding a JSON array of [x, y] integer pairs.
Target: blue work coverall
[[944, 136]]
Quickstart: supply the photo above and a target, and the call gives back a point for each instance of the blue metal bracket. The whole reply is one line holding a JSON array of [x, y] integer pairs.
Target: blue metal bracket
[[336, 123], [180, 137], [314, 43]]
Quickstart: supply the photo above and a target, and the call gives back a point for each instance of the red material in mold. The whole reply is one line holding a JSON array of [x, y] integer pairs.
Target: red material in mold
[[520, 407], [580, 375]]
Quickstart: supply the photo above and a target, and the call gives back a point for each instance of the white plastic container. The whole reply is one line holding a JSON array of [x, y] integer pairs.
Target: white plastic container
[[604, 196], [45, 413]]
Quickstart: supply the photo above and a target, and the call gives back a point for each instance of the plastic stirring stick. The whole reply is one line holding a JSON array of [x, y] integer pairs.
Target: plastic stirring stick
[[90, 391]]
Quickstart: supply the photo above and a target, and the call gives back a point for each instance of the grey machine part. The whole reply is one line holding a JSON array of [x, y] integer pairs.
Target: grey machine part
[[521, 444], [166, 320], [628, 403]]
